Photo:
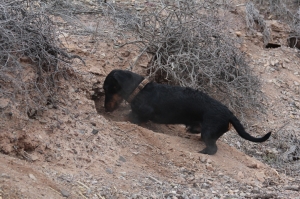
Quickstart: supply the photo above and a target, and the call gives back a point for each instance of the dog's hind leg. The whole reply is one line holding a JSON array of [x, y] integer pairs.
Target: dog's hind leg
[[210, 134], [211, 146]]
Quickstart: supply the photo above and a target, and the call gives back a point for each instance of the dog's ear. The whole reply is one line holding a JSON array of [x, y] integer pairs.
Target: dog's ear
[[127, 81]]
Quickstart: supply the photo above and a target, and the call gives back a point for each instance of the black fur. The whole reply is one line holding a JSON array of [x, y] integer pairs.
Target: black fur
[[166, 104]]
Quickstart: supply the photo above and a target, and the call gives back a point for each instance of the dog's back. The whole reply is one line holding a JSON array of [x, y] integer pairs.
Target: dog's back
[[178, 105]]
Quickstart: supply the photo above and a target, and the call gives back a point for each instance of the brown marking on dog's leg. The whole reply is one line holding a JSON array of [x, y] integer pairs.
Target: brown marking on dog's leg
[[229, 126]]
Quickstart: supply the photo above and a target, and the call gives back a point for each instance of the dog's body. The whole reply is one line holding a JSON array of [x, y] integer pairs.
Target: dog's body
[[166, 104]]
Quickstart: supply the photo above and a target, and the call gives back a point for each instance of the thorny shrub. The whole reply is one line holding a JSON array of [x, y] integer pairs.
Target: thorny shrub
[[190, 47], [31, 57]]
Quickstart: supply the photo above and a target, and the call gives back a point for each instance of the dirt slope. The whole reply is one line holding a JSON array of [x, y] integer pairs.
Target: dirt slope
[[76, 150]]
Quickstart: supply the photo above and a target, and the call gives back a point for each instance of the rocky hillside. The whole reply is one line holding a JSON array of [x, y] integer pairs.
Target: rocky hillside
[[73, 149]]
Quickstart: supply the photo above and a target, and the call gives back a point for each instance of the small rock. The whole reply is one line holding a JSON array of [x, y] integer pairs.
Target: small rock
[[32, 177], [3, 103], [65, 193], [240, 175], [85, 52], [135, 59], [34, 157], [139, 9], [205, 186], [209, 167], [255, 190], [144, 65], [82, 131], [259, 34], [253, 165], [274, 62], [4, 175], [203, 159], [238, 33], [94, 131], [43, 121], [260, 176], [109, 171], [125, 54], [276, 26], [296, 83], [283, 65], [122, 159]]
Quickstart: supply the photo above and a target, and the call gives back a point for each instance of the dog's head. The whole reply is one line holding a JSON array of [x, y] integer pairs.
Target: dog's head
[[118, 85]]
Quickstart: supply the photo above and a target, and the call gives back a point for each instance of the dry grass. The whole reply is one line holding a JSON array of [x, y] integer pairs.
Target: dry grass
[[190, 47], [28, 34], [283, 10], [253, 17]]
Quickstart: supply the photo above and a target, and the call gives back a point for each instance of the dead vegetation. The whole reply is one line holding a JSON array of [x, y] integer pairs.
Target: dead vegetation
[[188, 42], [253, 17], [29, 35], [191, 46], [287, 11]]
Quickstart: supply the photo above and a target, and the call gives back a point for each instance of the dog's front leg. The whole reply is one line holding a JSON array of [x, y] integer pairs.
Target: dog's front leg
[[140, 114], [134, 118]]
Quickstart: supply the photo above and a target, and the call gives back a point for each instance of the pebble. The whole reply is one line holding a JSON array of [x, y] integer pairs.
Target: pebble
[[122, 159], [32, 177], [64, 193], [109, 171], [203, 159], [209, 167], [94, 131], [240, 175], [238, 33], [34, 158], [205, 186], [4, 175], [125, 54], [82, 131]]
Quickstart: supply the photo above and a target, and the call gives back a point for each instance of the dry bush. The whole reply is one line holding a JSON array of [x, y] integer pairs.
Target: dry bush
[[190, 47], [29, 35], [283, 153], [284, 10], [253, 17]]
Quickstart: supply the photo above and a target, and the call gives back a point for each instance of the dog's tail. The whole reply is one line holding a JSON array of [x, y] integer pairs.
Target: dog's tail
[[241, 131]]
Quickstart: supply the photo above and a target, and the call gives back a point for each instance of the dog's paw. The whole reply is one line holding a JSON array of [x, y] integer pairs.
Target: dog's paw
[[209, 151]]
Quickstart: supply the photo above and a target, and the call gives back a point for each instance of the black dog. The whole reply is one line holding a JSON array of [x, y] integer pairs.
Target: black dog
[[166, 104]]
